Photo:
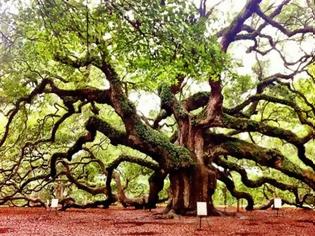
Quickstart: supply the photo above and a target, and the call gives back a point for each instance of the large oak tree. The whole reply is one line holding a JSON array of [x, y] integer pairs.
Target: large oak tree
[[70, 71]]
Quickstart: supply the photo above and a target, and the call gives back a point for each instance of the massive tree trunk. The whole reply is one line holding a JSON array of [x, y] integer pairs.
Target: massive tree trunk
[[197, 183], [188, 186]]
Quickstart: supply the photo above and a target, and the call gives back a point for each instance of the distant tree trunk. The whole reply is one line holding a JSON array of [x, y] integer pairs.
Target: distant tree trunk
[[59, 190], [156, 182]]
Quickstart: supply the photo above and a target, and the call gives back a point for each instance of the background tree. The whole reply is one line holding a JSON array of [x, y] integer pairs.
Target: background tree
[[70, 72]]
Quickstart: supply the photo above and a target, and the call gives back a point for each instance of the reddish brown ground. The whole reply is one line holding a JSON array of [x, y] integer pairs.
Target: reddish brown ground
[[117, 221]]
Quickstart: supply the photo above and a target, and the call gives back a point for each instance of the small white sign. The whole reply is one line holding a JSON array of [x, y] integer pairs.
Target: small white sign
[[277, 203], [202, 209], [54, 203]]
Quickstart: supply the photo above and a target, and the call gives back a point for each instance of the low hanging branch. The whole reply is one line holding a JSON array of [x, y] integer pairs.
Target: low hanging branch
[[140, 202], [237, 194], [254, 183], [267, 157]]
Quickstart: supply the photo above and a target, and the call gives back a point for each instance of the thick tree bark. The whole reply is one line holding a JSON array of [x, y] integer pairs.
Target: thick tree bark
[[188, 186]]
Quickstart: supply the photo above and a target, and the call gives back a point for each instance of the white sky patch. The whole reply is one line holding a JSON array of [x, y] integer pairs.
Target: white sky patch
[[78, 154], [145, 102], [255, 171], [247, 60]]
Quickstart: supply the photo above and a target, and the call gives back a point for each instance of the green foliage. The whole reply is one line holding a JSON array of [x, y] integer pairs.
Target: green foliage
[[156, 43], [294, 14], [236, 88], [135, 178], [148, 43]]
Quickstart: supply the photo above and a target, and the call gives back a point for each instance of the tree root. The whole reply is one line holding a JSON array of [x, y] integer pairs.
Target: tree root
[[216, 212], [171, 214]]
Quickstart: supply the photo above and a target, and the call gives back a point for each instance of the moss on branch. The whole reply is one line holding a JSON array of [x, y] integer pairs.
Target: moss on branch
[[254, 183], [179, 156], [170, 103], [132, 159], [246, 125], [151, 142], [263, 156]]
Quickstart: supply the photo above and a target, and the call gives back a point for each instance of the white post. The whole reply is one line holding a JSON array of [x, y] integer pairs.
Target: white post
[[54, 203], [277, 204], [201, 211]]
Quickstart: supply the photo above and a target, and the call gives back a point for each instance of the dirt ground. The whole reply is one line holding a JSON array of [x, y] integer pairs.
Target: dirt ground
[[118, 221]]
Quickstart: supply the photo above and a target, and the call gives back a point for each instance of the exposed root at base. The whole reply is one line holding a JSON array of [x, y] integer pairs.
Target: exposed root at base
[[171, 214], [217, 212]]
